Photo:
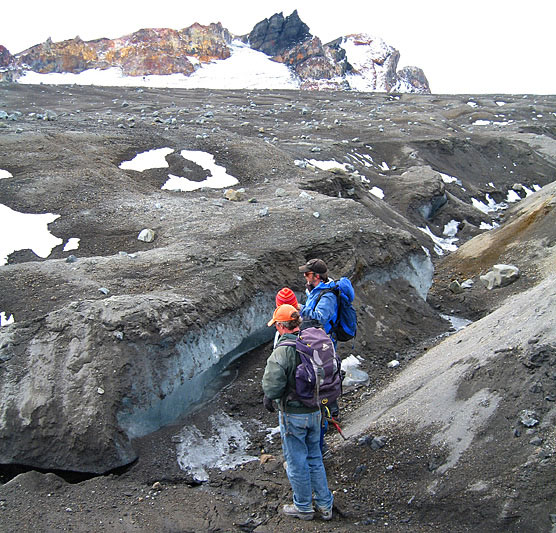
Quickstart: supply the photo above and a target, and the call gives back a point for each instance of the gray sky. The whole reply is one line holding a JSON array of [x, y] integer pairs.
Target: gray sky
[[486, 46]]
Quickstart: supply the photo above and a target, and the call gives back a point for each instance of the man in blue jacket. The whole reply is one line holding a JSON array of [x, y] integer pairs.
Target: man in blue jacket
[[321, 306]]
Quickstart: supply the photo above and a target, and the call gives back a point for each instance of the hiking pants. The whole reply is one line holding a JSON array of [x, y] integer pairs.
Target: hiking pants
[[301, 445]]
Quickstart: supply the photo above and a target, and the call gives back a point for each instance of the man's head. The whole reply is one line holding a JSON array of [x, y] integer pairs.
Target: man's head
[[315, 271], [286, 318]]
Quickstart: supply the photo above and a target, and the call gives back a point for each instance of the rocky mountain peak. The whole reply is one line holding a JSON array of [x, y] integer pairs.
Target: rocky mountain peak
[[357, 62], [276, 35]]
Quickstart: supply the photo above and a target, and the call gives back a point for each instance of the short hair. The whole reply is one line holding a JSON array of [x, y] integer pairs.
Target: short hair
[[295, 322]]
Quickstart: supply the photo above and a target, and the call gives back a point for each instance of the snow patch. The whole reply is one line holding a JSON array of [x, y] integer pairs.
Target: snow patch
[[72, 244], [512, 196], [4, 321], [328, 165], [441, 245], [451, 228], [146, 160], [5, 174], [27, 231], [218, 178]]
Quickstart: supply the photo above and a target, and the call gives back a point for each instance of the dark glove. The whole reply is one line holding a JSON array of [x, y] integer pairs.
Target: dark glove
[[268, 404]]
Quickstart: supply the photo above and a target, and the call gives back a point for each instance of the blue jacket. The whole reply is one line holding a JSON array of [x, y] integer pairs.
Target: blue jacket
[[327, 309]]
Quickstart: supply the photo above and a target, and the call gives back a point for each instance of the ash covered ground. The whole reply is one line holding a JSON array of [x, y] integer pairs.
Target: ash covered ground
[[63, 151]]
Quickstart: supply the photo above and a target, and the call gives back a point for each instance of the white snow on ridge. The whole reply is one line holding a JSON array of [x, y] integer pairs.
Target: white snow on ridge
[[327, 165], [368, 56], [244, 69]]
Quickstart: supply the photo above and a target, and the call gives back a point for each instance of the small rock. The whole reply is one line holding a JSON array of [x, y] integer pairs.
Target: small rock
[[316, 214], [280, 192], [157, 485], [455, 287], [536, 441], [265, 457], [263, 212], [527, 418], [393, 364], [536, 388], [234, 195], [71, 259], [100, 390], [378, 442], [104, 290], [146, 235], [359, 471]]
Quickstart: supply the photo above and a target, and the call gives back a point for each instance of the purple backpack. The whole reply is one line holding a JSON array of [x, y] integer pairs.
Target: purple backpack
[[317, 378]]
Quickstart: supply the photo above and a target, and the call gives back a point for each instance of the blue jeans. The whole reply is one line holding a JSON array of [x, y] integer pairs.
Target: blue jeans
[[301, 445]]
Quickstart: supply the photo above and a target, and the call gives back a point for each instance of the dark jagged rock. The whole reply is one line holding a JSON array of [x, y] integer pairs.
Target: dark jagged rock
[[276, 35], [5, 57]]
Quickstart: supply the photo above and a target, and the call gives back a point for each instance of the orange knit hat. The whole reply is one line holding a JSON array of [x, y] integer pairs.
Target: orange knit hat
[[286, 296]]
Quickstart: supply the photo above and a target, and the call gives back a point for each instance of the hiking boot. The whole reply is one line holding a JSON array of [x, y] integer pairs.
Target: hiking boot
[[292, 510], [325, 514]]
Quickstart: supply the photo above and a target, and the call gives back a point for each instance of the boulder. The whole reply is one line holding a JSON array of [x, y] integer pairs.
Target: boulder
[[500, 276]]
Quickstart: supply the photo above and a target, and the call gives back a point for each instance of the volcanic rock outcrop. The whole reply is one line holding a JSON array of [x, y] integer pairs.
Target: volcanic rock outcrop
[[147, 51], [5, 56], [163, 51]]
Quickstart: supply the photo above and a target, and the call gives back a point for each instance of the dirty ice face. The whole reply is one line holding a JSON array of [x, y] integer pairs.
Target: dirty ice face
[[225, 449]]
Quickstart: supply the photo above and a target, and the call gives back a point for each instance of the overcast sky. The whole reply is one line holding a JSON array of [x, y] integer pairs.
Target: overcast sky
[[486, 46]]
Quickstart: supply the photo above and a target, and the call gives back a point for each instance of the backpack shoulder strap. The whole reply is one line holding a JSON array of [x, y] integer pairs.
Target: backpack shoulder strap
[[287, 342], [334, 289]]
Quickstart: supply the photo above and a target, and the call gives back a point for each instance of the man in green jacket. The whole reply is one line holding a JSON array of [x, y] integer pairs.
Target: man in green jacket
[[300, 426]]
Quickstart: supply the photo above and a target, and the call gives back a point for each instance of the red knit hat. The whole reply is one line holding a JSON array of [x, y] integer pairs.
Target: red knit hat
[[286, 296]]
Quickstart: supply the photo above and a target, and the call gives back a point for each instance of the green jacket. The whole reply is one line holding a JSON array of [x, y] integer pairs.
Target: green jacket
[[279, 376]]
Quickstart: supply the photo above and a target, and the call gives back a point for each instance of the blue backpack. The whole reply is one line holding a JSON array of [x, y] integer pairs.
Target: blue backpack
[[318, 380], [345, 327]]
